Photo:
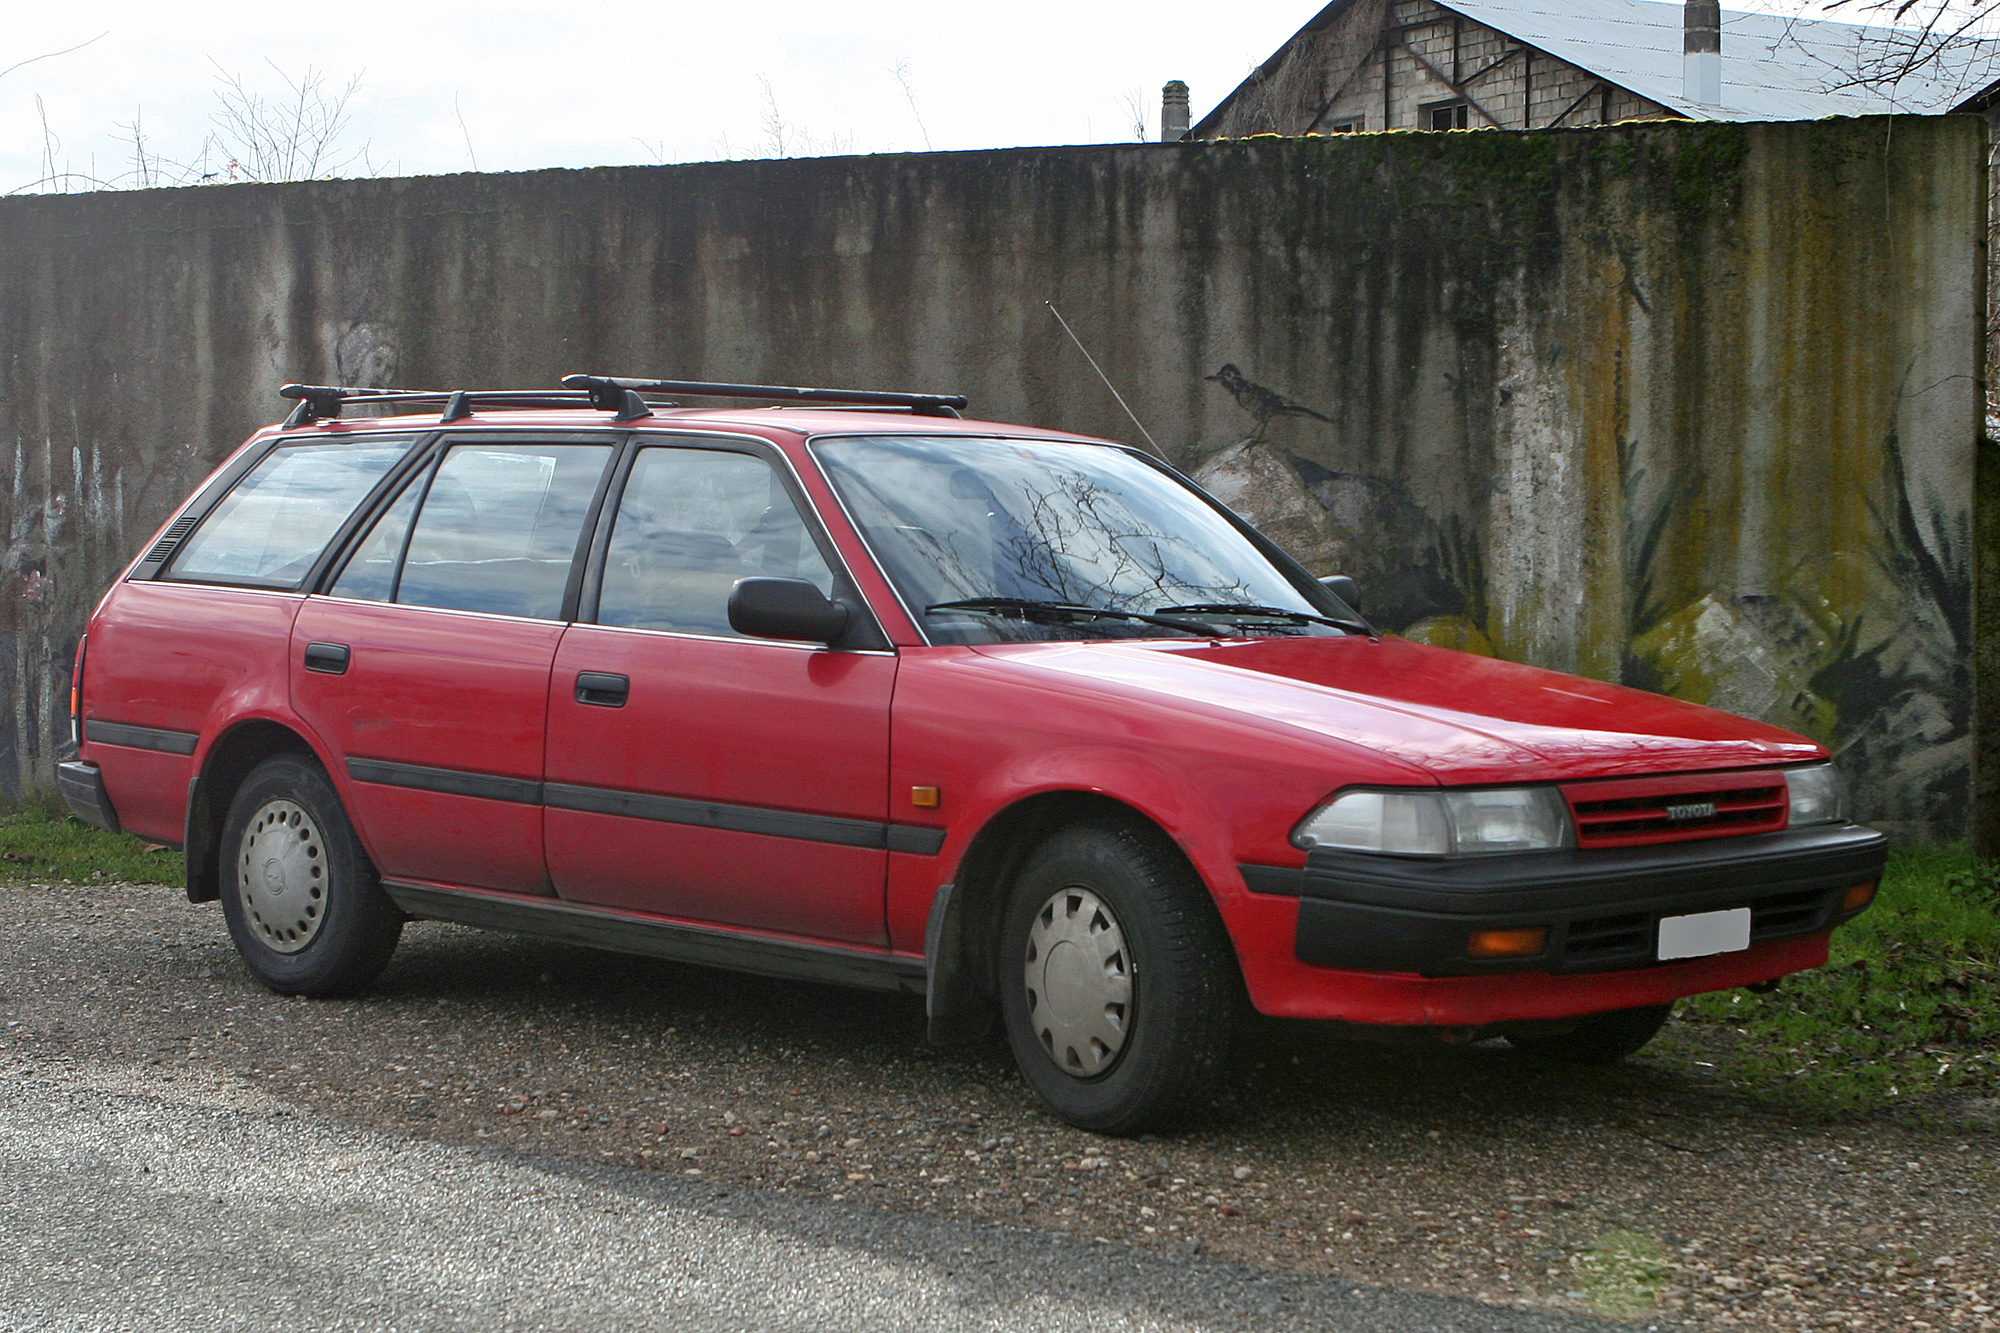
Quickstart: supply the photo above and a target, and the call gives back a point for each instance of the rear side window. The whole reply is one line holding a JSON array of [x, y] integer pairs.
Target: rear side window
[[496, 529], [271, 527]]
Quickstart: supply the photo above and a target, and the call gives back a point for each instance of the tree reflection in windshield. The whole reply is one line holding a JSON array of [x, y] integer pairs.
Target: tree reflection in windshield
[[961, 518]]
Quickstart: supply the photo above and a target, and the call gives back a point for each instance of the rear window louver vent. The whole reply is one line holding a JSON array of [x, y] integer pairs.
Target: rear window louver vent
[[164, 547]]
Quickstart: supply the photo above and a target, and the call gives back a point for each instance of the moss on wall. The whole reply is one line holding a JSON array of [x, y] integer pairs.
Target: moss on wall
[[1659, 402]]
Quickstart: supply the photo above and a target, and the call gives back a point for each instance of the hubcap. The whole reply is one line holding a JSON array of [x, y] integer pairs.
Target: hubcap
[[281, 875], [1079, 980]]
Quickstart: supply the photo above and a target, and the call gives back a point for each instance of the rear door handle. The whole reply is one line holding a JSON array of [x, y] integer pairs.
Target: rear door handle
[[602, 688], [330, 658]]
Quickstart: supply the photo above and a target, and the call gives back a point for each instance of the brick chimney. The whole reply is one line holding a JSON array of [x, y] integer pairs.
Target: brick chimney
[[1174, 111], [1701, 53]]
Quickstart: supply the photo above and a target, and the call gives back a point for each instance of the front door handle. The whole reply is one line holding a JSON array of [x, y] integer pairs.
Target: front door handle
[[329, 658], [602, 688]]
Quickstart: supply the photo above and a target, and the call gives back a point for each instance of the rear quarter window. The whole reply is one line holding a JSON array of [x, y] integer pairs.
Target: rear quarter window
[[275, 522]]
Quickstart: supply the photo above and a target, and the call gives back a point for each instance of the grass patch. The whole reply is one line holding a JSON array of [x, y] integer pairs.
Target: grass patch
[[1622, 1274], [1907, 1007], [45, 845]]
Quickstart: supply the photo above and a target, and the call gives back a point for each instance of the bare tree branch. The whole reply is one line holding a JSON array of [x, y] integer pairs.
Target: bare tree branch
[[51, 55]]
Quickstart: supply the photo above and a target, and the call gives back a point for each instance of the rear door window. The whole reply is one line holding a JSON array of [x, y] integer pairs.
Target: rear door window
[[273, 525], [495, 529]]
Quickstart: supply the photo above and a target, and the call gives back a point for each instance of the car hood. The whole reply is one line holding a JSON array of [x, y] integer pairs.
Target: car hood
[[1456, 716]]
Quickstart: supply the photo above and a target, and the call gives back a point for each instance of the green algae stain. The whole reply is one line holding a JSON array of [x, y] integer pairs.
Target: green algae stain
[[1708, 163], [1454, 632], [1622, 1274]]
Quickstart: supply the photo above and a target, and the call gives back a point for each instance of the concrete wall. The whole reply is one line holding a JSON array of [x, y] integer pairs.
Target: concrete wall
[[1333, 75], [1691, 406]]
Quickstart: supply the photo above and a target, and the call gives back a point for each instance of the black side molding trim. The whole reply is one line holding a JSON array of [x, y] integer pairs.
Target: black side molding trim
[[744, 818], [448, 780], [139, 738], [915, 839], [1274, 879], [82, 788], [661, 809], [625, 932], [712, 814]]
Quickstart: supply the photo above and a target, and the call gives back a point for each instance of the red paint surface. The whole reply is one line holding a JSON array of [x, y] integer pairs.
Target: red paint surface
[[442, 689], [1225, 745], [741, 721]]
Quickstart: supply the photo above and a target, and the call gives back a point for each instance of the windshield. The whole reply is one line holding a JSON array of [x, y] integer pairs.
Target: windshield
[[1043, 530]]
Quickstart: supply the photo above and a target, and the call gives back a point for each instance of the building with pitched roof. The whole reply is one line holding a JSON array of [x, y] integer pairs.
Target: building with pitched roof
[[1537, 64]]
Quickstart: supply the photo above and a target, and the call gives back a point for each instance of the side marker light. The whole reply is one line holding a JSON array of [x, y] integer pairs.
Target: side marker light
[[1507, 943], [1858, 897], [924, 798]]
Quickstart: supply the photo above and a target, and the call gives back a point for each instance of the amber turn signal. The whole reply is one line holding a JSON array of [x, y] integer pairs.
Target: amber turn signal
[[1858, 897], [1507, 943], [924, 797]]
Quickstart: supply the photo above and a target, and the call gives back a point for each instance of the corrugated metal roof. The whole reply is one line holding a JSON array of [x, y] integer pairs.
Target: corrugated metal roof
[[1773, 67]]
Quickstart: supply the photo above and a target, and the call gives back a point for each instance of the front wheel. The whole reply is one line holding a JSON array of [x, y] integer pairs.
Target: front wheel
[[1600, 1039], [1118, 987], [303, 903]]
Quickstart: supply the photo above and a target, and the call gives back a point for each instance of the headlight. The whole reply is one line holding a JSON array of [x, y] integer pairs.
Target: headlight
[[1440, 823], [1818, 795]]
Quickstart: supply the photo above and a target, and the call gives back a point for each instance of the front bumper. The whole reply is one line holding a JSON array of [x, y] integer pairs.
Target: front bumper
[[1383, 914]]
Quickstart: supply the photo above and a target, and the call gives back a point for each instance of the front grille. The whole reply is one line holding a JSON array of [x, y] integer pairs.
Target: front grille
[[1628, 937], [1632, 812], [1608, 937], [1785, 914]]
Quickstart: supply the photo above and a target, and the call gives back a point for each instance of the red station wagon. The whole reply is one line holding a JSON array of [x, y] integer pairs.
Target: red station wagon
[[862, 692]]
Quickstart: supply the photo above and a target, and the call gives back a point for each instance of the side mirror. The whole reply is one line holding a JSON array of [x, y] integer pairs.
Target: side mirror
[[1344, 588], [785, 609]]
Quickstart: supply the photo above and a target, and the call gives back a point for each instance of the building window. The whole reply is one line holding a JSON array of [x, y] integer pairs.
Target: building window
[[1344, 127], [1442, 115]]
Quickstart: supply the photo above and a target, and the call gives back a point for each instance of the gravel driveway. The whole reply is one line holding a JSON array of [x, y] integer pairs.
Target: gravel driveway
[[1639, 1191]]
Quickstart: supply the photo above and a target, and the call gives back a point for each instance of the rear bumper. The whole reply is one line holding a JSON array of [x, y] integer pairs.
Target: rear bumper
[[1601, 909], [82, 788]]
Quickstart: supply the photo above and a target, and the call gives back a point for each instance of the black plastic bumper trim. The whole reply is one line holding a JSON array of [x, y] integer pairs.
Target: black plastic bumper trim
[[82, 788], [1601, 908], [624, 932], [139, 738]]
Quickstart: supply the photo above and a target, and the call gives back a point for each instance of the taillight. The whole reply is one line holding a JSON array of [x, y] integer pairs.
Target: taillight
[[76, 694]]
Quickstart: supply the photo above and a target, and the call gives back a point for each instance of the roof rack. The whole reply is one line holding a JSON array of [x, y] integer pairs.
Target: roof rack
[[321, 401], [604, 389], [620, 397]]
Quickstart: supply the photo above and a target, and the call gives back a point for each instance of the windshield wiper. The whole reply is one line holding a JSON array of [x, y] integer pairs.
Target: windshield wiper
[[1233, 609], [1026, 608]]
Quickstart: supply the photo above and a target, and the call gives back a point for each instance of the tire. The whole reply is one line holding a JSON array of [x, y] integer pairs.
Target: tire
[[1600, 1039], [303, 903], [1118, 986]]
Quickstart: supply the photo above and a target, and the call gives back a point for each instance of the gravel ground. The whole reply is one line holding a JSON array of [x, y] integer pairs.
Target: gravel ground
[[129, 1204], [1640, 1190]]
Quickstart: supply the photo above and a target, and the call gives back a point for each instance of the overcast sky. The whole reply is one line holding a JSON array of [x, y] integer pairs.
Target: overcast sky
[[500, 85]]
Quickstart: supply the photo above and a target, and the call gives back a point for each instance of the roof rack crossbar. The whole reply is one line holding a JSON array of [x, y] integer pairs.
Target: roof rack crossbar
[[322, 401], [606, 389]]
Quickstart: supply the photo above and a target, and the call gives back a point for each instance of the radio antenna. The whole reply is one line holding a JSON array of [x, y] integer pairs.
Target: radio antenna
[[1107, 381]]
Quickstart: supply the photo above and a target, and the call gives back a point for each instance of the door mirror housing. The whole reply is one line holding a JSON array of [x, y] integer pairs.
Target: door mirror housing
[[1345, 589], [785, 609]]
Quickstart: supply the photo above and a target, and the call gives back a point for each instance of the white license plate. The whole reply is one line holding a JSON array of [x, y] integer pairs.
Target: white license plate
[[1704, 933]]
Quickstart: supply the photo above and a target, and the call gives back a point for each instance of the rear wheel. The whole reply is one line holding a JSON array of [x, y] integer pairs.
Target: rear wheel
[[1600, 1039], [303, 903], [1117, 981]]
